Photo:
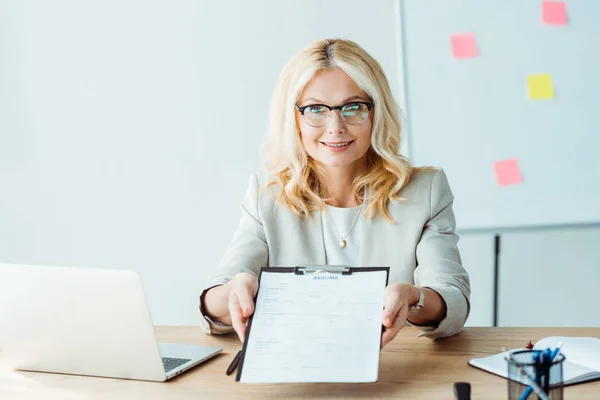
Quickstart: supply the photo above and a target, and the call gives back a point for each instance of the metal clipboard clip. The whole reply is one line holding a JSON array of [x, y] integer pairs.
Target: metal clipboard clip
[[323, 269]]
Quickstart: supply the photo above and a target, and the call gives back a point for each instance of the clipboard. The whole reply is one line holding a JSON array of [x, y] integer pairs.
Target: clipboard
[[315, 323]]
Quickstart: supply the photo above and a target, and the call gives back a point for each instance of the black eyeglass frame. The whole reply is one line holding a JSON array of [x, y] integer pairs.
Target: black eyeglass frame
[[332, 108]]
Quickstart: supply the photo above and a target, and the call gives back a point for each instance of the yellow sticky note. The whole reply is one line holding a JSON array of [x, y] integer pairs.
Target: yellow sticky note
[[540, 87]]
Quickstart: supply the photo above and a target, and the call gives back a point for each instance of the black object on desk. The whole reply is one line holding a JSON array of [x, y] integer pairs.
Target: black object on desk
[[234, 363], [462, 390]]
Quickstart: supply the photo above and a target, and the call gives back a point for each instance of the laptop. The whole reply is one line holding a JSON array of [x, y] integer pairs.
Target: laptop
[[85, 322]]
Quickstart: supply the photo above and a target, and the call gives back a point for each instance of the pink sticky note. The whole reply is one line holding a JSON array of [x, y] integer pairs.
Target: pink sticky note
[[508, 172], [554, 12], [464, 45]]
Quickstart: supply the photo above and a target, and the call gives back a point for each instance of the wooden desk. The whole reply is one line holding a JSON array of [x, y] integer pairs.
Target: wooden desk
[[411, 368]]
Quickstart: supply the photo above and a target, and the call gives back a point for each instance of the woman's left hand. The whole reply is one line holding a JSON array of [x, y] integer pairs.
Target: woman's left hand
[[397, 299]]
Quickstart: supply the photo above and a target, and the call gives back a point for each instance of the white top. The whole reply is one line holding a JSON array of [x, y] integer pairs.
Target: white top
[[337, 222]]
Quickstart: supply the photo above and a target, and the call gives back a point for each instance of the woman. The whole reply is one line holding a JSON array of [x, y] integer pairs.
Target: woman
[[338, 192]]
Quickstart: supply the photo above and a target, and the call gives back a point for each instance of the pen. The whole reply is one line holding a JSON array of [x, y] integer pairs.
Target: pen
[[553, 356], [234, 363], [533, 386], [555, 352], [537, 359], [462, 390]]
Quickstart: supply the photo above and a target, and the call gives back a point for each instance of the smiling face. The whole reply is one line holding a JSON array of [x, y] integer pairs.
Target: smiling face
[[341, 142]]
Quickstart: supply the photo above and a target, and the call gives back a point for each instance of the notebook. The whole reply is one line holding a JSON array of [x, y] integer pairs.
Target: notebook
[[582, 358]]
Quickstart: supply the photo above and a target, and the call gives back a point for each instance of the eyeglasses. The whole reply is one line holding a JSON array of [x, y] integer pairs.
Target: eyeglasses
[[317, 115]]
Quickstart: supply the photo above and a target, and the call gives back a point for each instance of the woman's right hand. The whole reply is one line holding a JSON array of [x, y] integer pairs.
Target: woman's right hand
[[244, 287]]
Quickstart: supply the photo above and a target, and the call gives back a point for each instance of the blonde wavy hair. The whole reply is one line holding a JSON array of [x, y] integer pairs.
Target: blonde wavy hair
[[294, 172]]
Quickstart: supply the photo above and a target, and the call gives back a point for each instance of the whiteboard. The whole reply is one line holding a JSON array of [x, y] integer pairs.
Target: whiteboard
[[465, 114]]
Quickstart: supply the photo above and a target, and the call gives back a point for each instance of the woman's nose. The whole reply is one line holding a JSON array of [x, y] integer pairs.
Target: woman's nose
[[336, 124]]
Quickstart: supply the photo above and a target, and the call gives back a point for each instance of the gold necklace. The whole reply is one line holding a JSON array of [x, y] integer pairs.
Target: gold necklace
[[342, 243]]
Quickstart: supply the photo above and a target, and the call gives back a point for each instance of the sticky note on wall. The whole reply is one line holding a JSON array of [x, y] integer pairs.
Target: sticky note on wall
[[508, 172], [540, 87], [554, 12], [464, 45]]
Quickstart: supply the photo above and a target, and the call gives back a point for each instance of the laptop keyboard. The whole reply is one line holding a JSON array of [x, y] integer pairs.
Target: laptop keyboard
[[172, 363]]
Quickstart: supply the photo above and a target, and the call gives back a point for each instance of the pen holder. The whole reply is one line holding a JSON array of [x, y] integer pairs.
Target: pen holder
[[548, 376]]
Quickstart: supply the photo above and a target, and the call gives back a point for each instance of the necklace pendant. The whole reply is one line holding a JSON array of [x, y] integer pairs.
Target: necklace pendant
[[342, 242]]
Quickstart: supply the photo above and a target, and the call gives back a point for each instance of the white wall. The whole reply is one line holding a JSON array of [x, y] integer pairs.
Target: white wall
[[477, 252], [128, 129], [550, 278]]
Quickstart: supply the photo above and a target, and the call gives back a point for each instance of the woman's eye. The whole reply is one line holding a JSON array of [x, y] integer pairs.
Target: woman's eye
[[351, 109], [316, 109]]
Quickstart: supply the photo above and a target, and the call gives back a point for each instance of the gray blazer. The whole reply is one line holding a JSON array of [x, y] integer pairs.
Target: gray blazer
[[420, 248]]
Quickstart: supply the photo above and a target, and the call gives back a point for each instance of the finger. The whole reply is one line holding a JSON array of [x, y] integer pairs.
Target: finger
[[391, 305], [237, 319], [397, 325], [389, 334], [245, 299]]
